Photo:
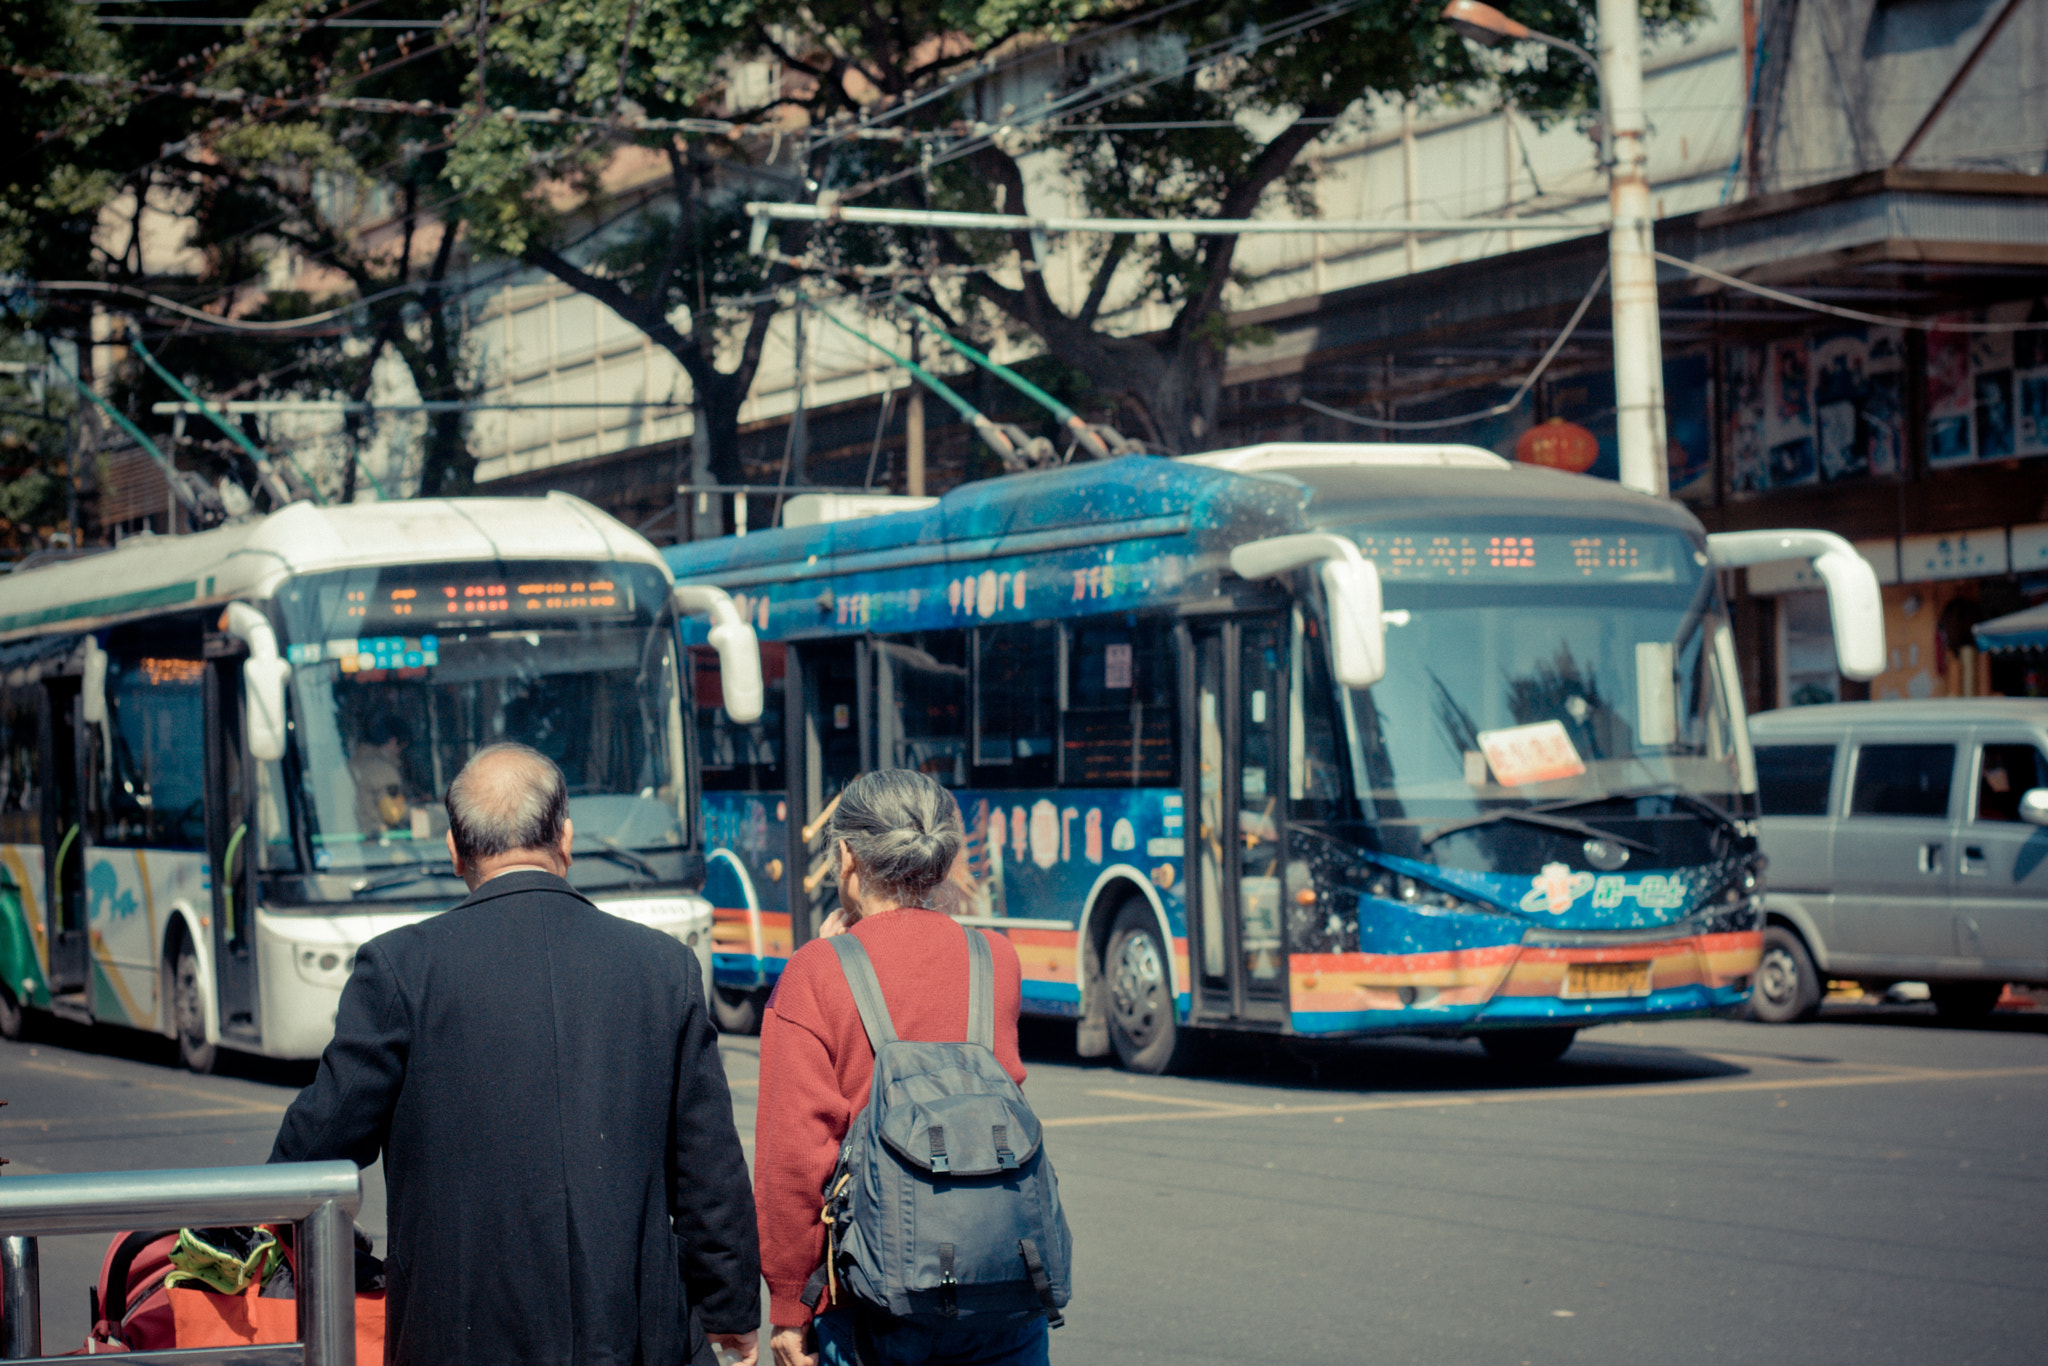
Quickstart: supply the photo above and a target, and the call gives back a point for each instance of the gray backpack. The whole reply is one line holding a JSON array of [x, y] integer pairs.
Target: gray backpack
[[943, 1204]]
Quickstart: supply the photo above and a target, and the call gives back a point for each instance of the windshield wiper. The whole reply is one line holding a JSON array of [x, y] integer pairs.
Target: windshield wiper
[[621, 855], [1539, 816], [398, 877], [1679, 796]]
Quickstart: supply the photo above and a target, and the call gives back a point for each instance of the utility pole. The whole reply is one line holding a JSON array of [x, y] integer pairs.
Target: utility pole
[[913, 429], [1632, 282], [1632, 269]]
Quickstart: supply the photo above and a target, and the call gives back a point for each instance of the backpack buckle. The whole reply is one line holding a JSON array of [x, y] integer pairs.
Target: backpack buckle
[[949, 1288], [940, 1162]]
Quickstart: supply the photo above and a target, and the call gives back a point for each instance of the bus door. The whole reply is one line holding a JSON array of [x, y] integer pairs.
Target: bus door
[[230, 852], [827, 750], [1235, 784], [64, 842]]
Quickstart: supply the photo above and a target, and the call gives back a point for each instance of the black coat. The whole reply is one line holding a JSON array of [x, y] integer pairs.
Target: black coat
[[544, 1084]]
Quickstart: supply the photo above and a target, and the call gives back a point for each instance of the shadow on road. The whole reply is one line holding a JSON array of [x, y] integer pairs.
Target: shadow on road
[[1402, 1064], [135, 1045]]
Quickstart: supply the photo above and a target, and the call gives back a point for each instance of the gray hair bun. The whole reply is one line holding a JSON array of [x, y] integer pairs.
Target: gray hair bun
[[903, 830]]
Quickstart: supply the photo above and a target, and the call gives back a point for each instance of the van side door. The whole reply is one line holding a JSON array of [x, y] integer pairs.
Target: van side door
[[2001, 886], [1894, 856]]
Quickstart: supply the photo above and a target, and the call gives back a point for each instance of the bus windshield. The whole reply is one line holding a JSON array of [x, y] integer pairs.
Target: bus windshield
[[1567, 670], [399, 674]]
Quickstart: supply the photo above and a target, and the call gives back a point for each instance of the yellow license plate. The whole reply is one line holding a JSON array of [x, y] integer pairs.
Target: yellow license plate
[[1607, 979]]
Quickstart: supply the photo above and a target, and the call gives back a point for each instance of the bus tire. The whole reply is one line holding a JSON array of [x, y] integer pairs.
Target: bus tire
[[1143, 1027], [1528, 1047], [1787, 988], [1964, 1002], [188, 1012], [736, 1011], [12, 1021]]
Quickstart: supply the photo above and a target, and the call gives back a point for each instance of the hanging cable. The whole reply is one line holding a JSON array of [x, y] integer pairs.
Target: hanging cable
[[1833, 310], [1497, 409]]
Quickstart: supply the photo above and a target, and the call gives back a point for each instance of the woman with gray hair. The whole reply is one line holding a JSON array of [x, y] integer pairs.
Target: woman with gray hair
[[896, 834]]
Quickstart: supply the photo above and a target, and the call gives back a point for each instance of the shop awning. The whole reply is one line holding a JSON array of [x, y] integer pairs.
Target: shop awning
[[2026, 630]]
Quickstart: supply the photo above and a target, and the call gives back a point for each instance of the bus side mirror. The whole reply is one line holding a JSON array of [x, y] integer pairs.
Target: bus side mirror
[[263, 677], [1855, 604], [92, 689], [1351, 583], [739, 653]]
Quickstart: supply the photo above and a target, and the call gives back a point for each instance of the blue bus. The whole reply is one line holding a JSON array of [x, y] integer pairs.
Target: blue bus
[[1311, 740]]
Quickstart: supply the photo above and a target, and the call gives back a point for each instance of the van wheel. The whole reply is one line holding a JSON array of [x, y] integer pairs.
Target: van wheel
[[1787, 988], [737, 1012], [1527, 1047], [1142, 1024], [1965, 1001], [188, 1014]]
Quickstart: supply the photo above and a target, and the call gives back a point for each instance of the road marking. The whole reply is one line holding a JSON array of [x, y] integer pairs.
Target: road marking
[[1232, 1106], [181, 1088], [141, 1115], [1216, 1110]]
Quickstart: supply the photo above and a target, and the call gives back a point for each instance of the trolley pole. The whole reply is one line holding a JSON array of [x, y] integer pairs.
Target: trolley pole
[[1638, 340]]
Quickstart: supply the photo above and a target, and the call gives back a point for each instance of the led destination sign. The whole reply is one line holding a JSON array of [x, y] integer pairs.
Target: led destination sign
[[1519, 557], [404, 603], [474, 597]]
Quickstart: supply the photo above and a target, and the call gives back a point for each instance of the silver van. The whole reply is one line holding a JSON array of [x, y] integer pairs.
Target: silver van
[[1906, 843]]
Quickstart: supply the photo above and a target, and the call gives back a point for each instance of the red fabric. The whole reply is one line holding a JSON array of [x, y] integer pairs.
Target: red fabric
[[202, 1318], [816, 1066]]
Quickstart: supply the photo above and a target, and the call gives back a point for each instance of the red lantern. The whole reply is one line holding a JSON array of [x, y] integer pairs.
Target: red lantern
[[1559, 444]]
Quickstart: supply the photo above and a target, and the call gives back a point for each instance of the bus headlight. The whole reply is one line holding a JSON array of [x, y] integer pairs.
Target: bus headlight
[[324, 965]]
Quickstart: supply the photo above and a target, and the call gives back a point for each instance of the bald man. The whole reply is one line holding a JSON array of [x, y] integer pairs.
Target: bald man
[[542, 1080]]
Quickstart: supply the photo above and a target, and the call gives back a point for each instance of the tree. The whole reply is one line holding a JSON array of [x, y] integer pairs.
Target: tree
[[1206, 111], [255, 144], [358, 191], [678, 268]]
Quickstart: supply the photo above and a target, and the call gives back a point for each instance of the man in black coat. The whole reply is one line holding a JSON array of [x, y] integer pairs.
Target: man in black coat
[[565, 1182]]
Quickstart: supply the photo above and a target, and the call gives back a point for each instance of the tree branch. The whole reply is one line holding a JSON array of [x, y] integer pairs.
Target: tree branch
[[1268, 166]]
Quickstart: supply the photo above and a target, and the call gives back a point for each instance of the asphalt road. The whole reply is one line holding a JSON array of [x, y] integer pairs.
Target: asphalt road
[[1872, 1188]]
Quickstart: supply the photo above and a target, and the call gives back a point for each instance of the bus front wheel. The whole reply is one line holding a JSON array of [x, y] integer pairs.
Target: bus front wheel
[[11, 1021], [737, 1012], [1527, 1047], [188, 1013], [1142, 1024]]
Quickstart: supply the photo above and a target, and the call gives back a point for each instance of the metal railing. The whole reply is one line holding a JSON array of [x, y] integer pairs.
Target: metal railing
[[319, 1199]]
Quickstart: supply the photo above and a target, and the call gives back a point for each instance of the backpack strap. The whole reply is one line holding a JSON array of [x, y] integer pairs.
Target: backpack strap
[[867, 990], [981, 990]]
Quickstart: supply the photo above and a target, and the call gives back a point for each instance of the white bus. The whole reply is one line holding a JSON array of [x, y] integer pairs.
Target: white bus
[[222, 754]]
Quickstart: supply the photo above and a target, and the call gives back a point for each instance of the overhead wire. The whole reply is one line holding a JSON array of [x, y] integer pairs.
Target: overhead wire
[[1505, 406], [1936, 324]]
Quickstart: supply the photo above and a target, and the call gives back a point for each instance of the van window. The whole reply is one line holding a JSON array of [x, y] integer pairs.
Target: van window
[[1903, 780], [2003, 777], [1793, 780]]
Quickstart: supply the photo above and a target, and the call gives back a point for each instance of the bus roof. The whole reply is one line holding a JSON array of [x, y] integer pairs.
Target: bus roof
[[151, 574], [1219, 498]]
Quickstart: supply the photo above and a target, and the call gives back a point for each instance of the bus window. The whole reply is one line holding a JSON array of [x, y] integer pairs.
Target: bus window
[[921, 704], [21, 765], [1016, 703], [740, 758], [1315, 773], [154, 792], [1120, 722]]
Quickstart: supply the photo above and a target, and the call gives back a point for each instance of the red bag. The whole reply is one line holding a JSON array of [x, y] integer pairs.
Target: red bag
[[135, 1312], [130, 1311], [202, 1318]]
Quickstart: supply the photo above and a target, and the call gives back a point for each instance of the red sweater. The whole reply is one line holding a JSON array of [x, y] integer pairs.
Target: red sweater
[[816, 1067]]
